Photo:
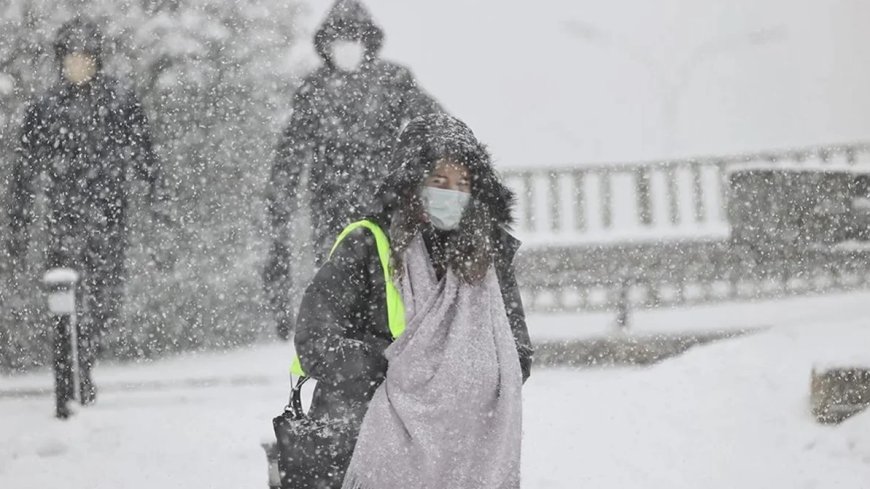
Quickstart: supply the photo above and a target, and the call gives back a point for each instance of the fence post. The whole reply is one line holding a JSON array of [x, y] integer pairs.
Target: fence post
[[580, 203], [644, 199], [673, 191], [698, 191], [555, 201], [606, 181], [528, 198]]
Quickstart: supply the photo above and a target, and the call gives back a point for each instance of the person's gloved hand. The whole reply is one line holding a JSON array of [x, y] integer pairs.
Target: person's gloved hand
[[285, 325], [162, 252], [13, 263], [15, 253], [277, 284], [14, 270]]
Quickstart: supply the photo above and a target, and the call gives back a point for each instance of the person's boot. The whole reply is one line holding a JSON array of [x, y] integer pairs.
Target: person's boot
[[87, 358], [89, 395], [63, 411], [88, 391]]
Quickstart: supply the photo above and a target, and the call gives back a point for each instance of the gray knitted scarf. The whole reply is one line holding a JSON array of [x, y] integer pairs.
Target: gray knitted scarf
[[449, 414]]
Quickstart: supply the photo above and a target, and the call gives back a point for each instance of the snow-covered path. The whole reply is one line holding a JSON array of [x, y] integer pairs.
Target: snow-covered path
[[730, 415], [197, 423]]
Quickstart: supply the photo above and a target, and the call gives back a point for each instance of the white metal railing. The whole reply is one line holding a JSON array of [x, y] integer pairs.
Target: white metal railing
[[657, 201]]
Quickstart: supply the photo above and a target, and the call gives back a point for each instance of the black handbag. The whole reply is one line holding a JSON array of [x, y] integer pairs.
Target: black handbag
[[310, 452]]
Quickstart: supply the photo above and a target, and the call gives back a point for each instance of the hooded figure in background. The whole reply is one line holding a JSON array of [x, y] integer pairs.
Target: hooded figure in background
[[345, 116], [88, 136]]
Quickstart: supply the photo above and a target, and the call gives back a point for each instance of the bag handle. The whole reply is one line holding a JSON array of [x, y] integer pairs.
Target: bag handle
[[294, 405]]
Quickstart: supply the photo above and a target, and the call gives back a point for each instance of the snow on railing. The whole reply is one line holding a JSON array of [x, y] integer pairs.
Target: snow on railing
[[657, 201], [627, 236]]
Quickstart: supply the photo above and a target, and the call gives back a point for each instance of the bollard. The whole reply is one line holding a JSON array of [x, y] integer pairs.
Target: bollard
[[271, 449], [837, 394], [60, 284]]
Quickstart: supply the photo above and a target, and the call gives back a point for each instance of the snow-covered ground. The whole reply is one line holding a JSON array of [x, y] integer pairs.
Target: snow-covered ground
[[731, 415]]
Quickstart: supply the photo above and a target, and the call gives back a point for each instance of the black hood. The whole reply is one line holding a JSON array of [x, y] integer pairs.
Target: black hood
[[348, 20], [434, 137], [79, 35], [472, 247]]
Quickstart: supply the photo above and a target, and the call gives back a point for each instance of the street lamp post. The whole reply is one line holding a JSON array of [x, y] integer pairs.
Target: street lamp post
[[60, 284]]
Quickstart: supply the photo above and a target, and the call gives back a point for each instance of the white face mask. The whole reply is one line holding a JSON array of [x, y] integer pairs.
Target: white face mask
[[79, 68], [348, 55], [445, 207]]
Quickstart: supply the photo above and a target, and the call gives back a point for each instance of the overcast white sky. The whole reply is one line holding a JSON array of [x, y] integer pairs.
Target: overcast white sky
[[565, 82]]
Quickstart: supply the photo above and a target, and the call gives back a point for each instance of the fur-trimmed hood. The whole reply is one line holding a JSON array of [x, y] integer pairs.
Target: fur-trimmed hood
[[428, 139], [480, 239]]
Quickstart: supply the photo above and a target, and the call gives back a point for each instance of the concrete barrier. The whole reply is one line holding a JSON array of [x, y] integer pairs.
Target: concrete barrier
[[839, 393]]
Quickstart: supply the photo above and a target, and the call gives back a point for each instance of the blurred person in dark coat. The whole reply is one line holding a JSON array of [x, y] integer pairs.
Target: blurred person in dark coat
[[88, 136], [345, 116]]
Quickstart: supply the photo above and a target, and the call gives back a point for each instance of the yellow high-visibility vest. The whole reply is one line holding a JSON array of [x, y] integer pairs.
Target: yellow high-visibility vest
[[395, 305]]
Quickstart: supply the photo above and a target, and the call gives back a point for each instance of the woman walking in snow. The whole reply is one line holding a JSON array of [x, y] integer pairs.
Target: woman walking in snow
[[442, 402]]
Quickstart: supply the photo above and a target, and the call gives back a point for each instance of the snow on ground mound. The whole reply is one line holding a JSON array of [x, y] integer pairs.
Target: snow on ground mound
[[731, 415]]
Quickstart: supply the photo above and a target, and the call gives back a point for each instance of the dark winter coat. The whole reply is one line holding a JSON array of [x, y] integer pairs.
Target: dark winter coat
[[88, 141], [342, 328], [340, 131]]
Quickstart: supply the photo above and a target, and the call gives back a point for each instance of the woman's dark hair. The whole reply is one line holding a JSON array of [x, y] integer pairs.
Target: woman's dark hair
[[426, 141]]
